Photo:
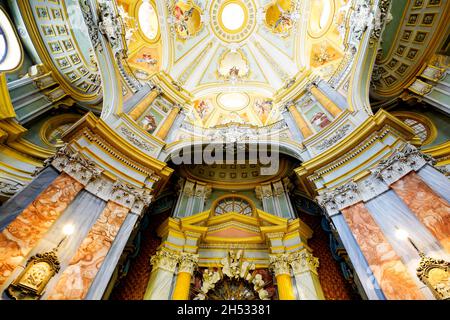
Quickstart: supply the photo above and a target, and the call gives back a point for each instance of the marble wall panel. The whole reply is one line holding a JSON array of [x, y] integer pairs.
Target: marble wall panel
[[432, 210], [77, 278], [22, 234], [15, 205], [388, 269]]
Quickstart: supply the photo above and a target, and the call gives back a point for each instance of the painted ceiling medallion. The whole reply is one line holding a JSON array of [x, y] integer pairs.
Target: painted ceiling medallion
[[233, 20], [185, 19], [148, 20], [281, 17]]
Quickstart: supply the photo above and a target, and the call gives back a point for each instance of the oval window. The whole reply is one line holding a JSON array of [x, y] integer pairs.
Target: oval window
[[11, 53], [3, 46], [321, 17], [148, 20]]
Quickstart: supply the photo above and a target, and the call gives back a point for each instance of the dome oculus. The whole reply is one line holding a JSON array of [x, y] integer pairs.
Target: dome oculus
[[233, 16], [233, 20]]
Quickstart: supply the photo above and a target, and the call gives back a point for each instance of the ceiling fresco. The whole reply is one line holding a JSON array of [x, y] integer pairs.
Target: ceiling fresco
[[245, 50]]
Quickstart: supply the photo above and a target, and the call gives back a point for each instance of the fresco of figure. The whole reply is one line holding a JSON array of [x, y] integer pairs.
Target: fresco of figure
[[149, 123], [320, 120]]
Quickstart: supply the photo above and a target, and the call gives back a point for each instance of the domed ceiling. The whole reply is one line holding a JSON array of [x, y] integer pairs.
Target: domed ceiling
[[234, 56]]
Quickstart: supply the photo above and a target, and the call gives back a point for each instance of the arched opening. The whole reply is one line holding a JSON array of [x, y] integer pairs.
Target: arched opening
[[234, 204]]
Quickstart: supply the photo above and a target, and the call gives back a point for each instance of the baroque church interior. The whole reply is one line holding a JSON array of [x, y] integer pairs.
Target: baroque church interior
[[224, 150]]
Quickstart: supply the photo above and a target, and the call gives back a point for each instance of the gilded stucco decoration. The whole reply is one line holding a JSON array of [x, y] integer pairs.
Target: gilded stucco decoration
[[31, 283], [233, 267], [281, 16], [435, 273], [185, 18]]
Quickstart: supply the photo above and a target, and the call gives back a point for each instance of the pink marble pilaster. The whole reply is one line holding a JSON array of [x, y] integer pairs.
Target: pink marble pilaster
[[20, 237], [77, 278], [388, 269], [429, 208]]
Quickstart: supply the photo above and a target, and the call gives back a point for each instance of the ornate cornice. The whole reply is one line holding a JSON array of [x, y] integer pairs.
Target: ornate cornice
[[377, 136], [93, 29], [335, 138], [105, 145], [340, 198], [401, 162], [9, 188], [90, 175], [136, 140], [111, 26], [380, 19]]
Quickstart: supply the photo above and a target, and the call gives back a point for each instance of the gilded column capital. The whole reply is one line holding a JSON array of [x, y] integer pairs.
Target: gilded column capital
[[188, 262], [165, 259], [157, 89], [304, 261], [280, 264]]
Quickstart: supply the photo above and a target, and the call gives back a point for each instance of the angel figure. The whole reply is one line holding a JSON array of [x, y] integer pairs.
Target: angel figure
[[148, 59], [182, 18], [321, 120], [234, 72], [284, 21], [149, 123], [202, 109]]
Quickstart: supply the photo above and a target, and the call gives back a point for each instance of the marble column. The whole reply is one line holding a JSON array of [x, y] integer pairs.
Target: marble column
[[339, 99], [390, 272], [171, 136], [168, 123], [145, 103], [280, 264], [326, 102], [22, 234], [188, 263], [364, 274], [304, 266], [104, 274], [432, 210], [300, 121], [292, 125], [77, 278], [164, 264]]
